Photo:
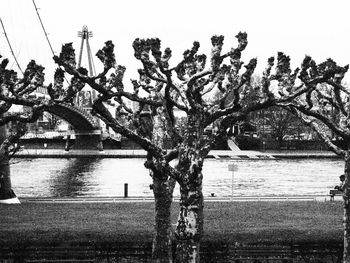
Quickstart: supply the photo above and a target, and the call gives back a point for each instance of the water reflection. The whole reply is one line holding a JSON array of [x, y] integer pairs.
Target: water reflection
[[73, 180], [49, 177]]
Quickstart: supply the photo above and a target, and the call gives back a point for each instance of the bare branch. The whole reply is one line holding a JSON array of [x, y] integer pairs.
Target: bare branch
[[320, 132], [325, 119]]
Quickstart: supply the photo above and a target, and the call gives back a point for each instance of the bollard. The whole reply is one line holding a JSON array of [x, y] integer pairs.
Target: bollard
[[125, 190]]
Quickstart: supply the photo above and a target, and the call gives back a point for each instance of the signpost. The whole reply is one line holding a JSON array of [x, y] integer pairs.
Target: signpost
[[234, 168]]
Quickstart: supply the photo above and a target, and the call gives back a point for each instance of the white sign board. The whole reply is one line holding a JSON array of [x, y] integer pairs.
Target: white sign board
[[233, 167]]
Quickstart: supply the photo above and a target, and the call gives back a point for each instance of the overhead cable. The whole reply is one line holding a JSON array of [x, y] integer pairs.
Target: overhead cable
[[42, 26], [45, 33], [8, 42]]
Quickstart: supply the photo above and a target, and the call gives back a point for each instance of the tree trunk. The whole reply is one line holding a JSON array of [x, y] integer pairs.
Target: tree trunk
[[346, 198], [163, 187], [7, 196], [162, 244], [189, 228]]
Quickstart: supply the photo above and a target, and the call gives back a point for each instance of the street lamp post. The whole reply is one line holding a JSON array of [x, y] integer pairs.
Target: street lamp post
[[233, 168]]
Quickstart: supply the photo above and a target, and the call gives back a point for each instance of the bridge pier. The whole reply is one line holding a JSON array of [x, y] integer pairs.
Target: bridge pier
[[87, 140]]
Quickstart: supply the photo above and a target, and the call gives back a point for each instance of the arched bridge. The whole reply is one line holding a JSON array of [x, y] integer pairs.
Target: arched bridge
[[86, 128], [79, 118]]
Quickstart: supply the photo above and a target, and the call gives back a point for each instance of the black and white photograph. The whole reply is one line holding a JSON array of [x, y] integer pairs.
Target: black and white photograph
[[174, 131]]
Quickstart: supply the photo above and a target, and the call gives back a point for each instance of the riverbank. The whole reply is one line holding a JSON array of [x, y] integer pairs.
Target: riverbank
[[211, 198], [227, 222], [137, 153]]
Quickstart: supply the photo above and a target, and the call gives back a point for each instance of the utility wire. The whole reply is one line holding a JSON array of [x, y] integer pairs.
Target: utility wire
[[14, 62], [45, 33], [8, 42], [42, 26]]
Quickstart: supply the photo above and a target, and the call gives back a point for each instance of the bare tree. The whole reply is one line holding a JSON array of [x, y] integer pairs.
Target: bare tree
[[187, 87], [316, 108], [15, 91], [281, 122]]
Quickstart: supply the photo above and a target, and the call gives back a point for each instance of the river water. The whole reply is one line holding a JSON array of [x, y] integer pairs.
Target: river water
[[106, 177]]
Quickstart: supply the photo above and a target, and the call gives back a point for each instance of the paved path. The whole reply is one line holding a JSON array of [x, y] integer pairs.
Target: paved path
[[118, 199], [137, 153]]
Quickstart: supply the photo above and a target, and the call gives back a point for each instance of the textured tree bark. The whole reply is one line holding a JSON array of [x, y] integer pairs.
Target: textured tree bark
[[162, 243], [163, 188], [189, 228], [346, 220], [7, 196]]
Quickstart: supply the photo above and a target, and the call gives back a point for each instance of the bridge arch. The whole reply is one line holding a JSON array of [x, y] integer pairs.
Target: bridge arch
[[86, 129], [80, 119]]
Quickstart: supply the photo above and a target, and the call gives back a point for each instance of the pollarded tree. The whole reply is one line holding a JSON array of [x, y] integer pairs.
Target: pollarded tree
[[14, 91], [316, 108], [186, 87]]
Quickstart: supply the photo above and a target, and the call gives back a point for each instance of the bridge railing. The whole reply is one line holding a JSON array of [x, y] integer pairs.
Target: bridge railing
[[82, 112]]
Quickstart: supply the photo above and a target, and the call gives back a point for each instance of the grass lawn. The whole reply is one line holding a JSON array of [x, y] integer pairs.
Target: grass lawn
[[243, 222]]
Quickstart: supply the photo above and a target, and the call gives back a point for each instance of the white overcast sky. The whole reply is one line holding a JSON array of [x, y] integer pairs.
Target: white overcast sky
[[318, 28]]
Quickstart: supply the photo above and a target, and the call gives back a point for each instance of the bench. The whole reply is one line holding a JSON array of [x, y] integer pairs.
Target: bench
[[334, 192]]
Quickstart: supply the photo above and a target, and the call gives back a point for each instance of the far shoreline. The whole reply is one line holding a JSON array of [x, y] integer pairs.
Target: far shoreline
[[138, 153]]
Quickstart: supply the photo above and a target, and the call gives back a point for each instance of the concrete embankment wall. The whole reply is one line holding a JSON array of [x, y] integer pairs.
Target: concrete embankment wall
[[58, 143], [243, 143]]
